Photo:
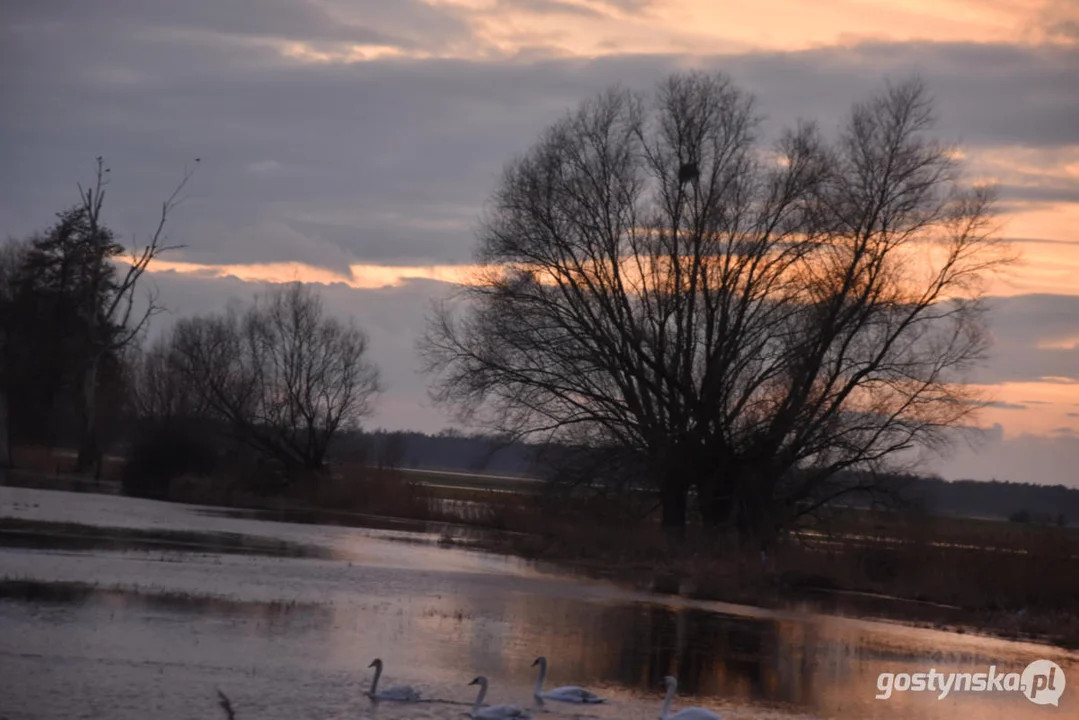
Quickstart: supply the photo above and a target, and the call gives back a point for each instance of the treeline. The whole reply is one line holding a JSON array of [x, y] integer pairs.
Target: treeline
[[482, 454], [447, 450], [1019, 502], [258, 390]]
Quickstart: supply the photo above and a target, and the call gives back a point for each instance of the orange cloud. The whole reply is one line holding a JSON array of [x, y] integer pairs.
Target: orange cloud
[[1036, 408], [592, 28], [366, 277]]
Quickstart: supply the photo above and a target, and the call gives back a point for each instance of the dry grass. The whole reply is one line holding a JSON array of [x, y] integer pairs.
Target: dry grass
[[1014, 582], [363, 490], [59, 461]]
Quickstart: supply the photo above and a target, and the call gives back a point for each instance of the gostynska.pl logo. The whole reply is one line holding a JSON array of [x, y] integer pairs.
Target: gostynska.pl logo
[[1042, 682]]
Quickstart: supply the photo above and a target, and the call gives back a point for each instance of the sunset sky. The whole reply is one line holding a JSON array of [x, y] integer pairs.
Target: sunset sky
[[354, 143]]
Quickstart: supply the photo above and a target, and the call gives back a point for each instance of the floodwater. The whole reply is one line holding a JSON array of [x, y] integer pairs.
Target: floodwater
[[151, 618]]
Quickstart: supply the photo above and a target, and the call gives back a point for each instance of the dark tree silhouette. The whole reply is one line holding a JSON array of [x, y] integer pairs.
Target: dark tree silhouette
[[107, 303], [283, 375], [785, 316], [70, 299]]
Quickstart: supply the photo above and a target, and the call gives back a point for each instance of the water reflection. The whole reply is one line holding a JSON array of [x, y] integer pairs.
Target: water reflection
[[292, 636]]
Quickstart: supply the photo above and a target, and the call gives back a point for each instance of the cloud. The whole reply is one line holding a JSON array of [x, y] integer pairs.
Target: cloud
[[1006, 406], [1061, 18], [551, 7], [1066, 28], [391, 161], [270, 19], [1027, 458], [1028, 333], [354, 275], [264, 166]]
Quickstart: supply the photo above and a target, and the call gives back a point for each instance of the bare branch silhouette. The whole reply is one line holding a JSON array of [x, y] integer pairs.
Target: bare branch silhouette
[[745, 323]]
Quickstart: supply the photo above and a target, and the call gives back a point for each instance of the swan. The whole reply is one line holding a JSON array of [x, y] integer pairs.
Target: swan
[[691, 713], [404, 693], [566, 693], [495, 712]]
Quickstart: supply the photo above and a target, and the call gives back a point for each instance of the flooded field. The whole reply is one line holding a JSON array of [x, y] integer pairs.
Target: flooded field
[[112, 607]]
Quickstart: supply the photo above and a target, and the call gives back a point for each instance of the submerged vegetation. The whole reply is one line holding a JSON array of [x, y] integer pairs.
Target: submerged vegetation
[[77, 592]]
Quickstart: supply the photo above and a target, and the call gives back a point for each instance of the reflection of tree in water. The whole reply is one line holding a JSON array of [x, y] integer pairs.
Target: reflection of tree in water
[[634, 645], [711, 654]]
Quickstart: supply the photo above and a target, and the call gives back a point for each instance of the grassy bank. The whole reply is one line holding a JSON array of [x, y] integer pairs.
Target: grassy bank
[[1006, 579]]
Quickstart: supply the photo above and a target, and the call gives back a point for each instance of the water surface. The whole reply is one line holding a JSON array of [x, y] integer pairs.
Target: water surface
[[287, 630]]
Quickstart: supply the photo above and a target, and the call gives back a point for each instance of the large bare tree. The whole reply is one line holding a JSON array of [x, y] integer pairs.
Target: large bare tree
[[746, 321], [284, 375]]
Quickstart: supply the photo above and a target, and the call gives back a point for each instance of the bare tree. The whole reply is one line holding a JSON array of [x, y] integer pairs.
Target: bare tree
[[160, 390], [747, 322], [107, 305], [284, 375]]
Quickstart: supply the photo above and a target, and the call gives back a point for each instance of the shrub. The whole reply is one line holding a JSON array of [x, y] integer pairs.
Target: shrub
[[165, 451]]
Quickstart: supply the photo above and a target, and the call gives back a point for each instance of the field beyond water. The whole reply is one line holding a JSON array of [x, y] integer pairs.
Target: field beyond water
[[116, 607]]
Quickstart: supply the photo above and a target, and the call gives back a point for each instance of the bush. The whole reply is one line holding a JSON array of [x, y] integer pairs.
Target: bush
[[165, 451]]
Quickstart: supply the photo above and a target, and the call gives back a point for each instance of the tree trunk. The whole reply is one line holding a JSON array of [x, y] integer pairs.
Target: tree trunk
[[714, 497], [5, 447], [673, 498], [89, 446], [755, 511]]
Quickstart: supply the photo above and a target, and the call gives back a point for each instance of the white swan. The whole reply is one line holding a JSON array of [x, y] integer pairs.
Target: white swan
[[566, 693], [495, 712], [403, 693], [691, 713]]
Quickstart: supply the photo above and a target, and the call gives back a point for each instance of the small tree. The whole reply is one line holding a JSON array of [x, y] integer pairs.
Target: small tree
[[283, 375]]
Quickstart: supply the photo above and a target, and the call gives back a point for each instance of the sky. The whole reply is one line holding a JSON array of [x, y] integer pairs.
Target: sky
[[354, 143]]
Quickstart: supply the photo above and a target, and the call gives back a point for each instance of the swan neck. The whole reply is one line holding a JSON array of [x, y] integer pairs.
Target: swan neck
[[480, 697], [667, 703], [542, 676], [374, 683]]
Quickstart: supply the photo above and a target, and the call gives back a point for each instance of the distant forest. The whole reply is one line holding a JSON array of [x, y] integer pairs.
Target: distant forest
[[449, 450], [457, 452]]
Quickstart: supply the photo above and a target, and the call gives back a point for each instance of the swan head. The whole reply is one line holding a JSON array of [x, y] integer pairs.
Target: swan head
[[376, 663], [670, 682], [481, 680], [541, 660]]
